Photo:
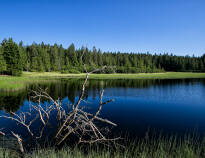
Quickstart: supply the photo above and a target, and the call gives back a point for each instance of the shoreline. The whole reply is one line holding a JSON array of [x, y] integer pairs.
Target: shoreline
[[18, 83]]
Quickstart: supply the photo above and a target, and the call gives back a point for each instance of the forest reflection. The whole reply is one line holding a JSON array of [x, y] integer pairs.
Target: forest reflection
[[11, 101]]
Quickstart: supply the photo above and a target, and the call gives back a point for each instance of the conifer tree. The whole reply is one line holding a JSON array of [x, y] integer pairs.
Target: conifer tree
[[12, 57], [45, 57], [2, 62], [72, 55]]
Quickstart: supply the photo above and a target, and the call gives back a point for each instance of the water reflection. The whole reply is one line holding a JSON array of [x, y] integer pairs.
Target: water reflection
[[11, 101], [175, 105]]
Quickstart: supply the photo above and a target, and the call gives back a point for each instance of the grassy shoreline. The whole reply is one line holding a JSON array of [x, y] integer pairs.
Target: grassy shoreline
[[189, 147], [17, 83], [165, 75]]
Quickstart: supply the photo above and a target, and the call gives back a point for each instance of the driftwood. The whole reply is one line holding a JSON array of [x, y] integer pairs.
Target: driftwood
[[71, 122], [19, 140], [21, 119], [2, 133]]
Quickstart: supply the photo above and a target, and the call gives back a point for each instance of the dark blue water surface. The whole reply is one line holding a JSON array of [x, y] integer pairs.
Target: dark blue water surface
[[167, 106]]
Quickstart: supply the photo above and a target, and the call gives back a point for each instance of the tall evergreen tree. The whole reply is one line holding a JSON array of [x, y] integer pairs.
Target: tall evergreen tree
[[2, 62], [12, 57], [72, 55], [45, 57]]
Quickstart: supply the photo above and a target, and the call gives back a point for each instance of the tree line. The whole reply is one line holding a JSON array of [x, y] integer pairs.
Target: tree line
[[15, 58]]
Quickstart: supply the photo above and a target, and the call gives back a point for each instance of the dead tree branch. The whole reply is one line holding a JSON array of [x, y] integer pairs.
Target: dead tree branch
[[2, 133], [76, 121], [19, 140]]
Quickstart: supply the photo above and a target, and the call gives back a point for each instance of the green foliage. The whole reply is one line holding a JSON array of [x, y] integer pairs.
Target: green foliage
[[71, 71], [8, 83], [2, 62], [46, 58], [72, 55], [12, 57], [172, 147]]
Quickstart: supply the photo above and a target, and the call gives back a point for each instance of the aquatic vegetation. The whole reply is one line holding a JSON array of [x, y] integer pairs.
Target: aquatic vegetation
[[188, 147]]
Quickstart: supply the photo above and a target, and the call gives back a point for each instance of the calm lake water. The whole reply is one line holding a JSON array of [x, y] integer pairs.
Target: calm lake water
[[175, 106]]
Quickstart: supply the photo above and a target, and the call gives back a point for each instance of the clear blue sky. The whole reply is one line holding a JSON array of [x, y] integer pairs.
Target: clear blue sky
[[157, 26]]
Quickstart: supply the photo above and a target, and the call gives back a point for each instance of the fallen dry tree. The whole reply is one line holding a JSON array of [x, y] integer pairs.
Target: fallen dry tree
[[2, 133], [72, 120]]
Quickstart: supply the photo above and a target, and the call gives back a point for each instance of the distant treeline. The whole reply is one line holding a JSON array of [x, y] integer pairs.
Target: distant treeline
[[15, 58]]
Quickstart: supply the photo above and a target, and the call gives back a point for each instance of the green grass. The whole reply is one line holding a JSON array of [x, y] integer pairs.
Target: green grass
[[10, 83], [161, 148], [166, 75], [5, 153], [17, 83]]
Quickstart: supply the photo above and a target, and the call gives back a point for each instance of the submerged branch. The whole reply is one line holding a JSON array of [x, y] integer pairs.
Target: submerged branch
[[76, 122]]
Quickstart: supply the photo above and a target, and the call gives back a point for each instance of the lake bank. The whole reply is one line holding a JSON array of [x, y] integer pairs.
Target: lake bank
[[165, 75], [17, 83], [143, 100], [162, 147]]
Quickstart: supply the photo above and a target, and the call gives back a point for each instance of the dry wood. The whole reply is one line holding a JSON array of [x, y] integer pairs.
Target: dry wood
[[19, 140], [2, 133], [21, 119], [76, 121]]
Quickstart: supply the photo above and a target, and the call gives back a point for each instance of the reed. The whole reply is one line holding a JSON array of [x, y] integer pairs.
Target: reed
[[171, 147]]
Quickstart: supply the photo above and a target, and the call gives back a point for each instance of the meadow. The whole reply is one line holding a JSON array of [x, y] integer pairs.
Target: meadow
[[17, 83]]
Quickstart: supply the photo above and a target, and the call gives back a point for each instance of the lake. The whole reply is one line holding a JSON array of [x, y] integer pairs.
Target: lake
[[171, 106]]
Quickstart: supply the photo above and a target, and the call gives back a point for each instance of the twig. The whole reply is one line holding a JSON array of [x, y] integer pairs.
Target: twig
[[2, 133], [76, 121], [19, 142]]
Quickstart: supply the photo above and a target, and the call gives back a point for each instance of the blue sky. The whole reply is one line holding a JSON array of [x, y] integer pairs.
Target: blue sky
[[157, 26]]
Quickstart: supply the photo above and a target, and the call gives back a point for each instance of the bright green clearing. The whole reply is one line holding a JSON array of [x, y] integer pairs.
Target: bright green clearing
[[16, 83]]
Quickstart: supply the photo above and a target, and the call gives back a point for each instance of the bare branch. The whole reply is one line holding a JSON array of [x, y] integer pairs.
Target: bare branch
[[2, 133], [19, 142], [76, 121]]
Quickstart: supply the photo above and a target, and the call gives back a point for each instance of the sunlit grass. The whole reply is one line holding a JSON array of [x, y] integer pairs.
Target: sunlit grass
[[166, 75], [16, 83]]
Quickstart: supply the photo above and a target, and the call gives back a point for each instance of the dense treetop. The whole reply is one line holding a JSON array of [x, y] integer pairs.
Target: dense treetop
[[15, 58]]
